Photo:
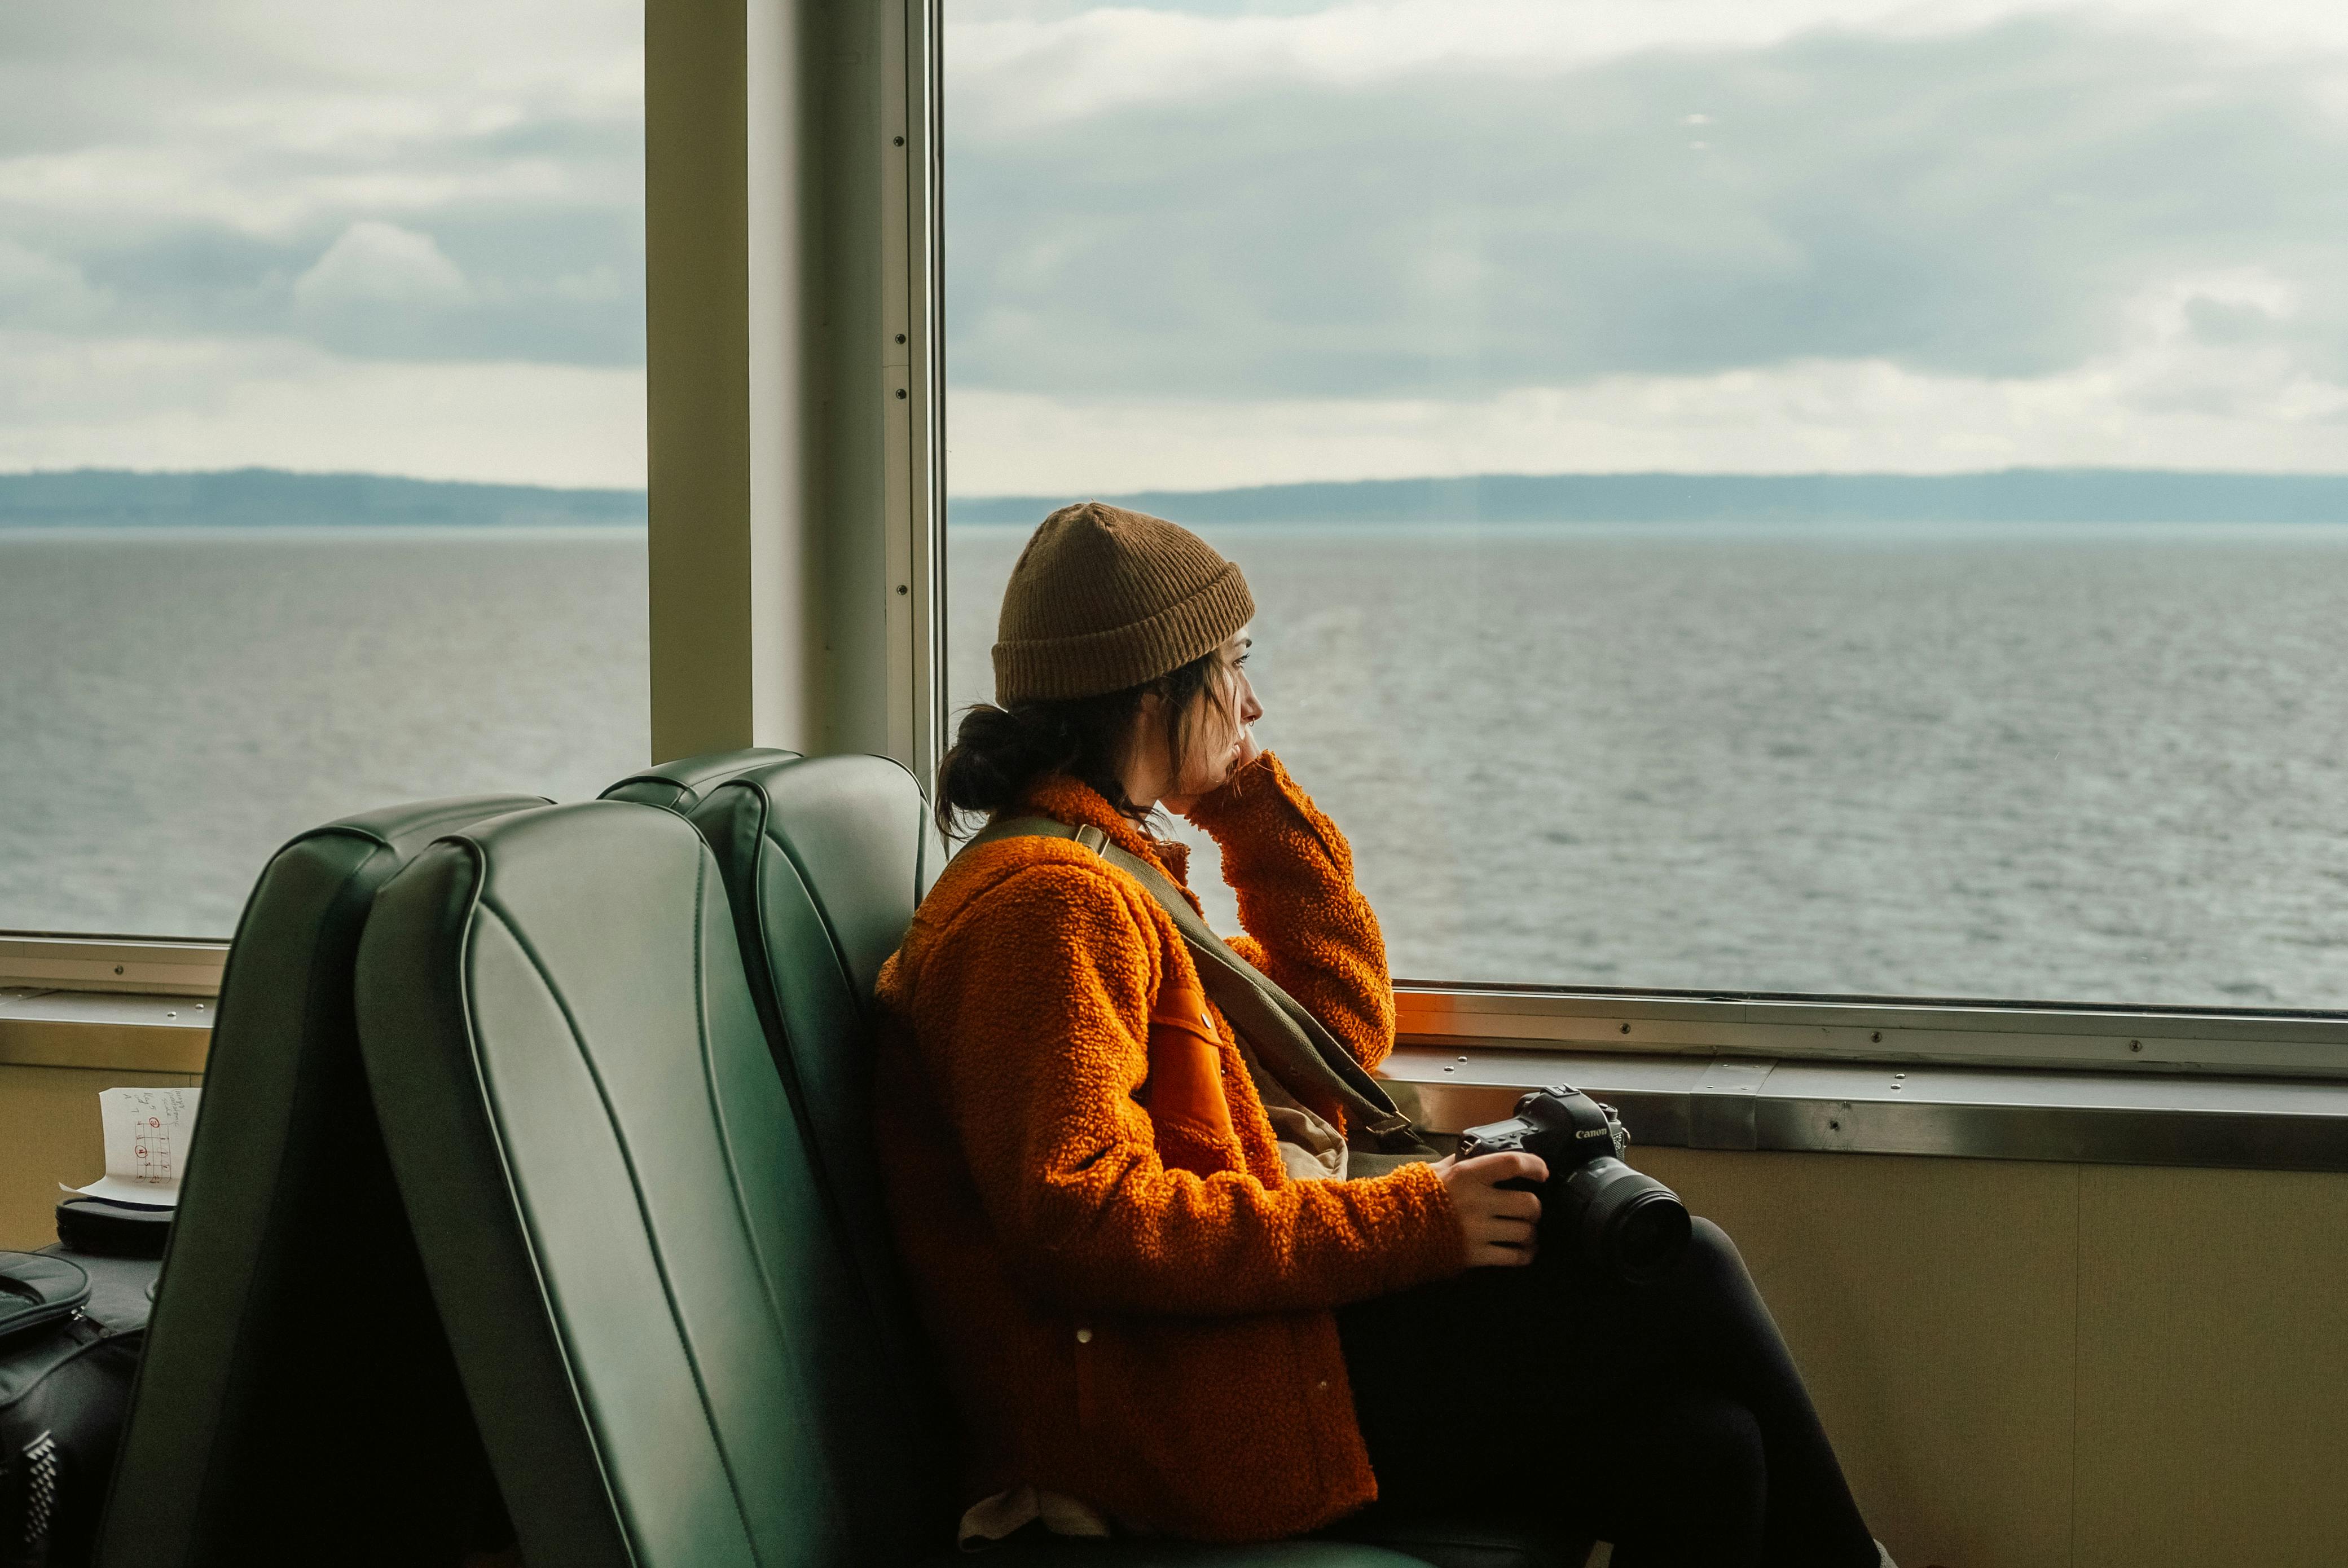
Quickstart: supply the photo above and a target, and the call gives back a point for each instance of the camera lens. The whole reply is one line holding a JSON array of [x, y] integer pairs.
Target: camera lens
[[1651, 1234], [1630, 1224]]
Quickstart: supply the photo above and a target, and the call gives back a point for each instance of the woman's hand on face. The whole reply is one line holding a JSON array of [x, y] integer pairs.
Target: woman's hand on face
[[1497, 1223], [1220, 751], [1181, 805]]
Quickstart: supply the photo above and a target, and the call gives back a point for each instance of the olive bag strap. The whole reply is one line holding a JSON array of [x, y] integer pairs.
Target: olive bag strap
[[1295, 1047]]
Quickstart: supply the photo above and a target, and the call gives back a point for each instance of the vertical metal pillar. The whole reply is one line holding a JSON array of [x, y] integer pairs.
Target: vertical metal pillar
[[792, 247]]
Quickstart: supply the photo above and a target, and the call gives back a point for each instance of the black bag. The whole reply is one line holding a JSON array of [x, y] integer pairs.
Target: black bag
[[70, 1329], [115, 1230]]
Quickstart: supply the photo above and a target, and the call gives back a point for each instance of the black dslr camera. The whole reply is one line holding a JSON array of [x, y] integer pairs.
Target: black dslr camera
[[1629, 1224]]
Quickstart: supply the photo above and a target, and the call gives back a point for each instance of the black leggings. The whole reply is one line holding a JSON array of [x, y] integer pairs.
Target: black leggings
[[1667, 1419]]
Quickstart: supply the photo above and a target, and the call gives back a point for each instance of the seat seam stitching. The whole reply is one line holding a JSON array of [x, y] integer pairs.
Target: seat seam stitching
[[871, 1288], [766, 1274], [490, 1112], [866, 1262], [635, 1187]]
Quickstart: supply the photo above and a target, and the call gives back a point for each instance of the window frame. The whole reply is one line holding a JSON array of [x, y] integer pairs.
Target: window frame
[[795, 251], [48, 960], [1957, 1032], [1953, 1032], [888, 465]]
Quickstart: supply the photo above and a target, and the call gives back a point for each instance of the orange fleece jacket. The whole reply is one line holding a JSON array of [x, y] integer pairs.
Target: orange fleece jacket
[[1131, 1298]]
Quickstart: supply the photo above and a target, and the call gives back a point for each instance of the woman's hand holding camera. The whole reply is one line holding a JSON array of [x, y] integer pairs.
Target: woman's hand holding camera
[[1497, 1223]]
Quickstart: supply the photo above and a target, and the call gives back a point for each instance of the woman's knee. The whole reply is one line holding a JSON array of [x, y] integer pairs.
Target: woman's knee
[[1710, 1245], [1710, 1280], [1712, 1258]]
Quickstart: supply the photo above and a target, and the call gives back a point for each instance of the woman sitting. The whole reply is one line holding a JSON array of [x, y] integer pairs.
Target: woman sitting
[[1170, 1296]]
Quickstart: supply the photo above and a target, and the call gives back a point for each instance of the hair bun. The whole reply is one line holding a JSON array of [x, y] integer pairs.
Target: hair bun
[[998, 752]]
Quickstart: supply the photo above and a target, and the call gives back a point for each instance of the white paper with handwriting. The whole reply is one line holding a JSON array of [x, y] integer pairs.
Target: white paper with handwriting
[[146, 1145]]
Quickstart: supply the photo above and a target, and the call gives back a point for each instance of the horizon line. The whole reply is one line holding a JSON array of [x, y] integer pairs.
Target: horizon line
[[951, 495]]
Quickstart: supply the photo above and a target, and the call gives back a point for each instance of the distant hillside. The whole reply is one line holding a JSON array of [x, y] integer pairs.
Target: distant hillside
[[248, 498], [271, 497], [2013, 494]]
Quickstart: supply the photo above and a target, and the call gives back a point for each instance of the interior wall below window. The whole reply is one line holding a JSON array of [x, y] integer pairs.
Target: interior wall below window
[[2051, 1365], [48, 1125], [2021, 1365]]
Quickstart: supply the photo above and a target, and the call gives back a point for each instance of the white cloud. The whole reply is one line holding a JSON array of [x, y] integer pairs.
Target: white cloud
[[392, 235], [2168, 400], [597, 284], [275, 116], [1922, 245], [1018, 64], [254, 189], [35, 288], [376, 263], [215, 403], [464, 181], [1847, 199]]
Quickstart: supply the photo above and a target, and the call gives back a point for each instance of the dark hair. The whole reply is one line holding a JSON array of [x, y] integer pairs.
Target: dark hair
[[999, 753]]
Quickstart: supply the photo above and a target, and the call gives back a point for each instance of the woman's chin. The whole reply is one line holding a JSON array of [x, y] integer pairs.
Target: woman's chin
[[1212, 780]]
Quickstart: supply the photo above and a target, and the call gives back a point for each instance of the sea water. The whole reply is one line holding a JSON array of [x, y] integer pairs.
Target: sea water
[[175, 703], [2091, 764], [2074, 762]]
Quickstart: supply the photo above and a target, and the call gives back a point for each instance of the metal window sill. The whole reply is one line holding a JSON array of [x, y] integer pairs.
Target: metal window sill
[[1705, 1102], [1932, 1031], [1702, 1100], [141, 965], [127, 1033]]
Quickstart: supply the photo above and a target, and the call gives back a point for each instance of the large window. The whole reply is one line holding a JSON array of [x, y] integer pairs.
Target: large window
[[1805, 497], [321, 430]]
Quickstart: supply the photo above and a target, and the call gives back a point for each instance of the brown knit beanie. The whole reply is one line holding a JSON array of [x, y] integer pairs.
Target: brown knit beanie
[[1104, 598]]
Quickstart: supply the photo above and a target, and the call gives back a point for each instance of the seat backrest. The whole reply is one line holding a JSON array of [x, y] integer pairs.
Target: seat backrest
[[679, 786], [857, 831], [295, 1378], [618, 1211], [824, 861]]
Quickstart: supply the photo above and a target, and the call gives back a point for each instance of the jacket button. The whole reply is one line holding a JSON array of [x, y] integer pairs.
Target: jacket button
[[1084, 1336]]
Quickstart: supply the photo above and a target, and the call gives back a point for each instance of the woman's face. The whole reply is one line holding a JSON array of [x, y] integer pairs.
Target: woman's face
[[1222, 736]]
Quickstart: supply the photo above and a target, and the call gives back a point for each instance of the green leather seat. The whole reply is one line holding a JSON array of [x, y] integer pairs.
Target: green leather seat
[[657, 1328], [648, 1300], [295, 1398], [824, 860], [855, 827], [679, 786]]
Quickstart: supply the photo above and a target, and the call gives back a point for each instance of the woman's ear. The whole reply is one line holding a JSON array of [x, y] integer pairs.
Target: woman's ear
[[1145, 733]]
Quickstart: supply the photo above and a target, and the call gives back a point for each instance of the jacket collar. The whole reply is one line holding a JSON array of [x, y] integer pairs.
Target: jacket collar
[[1065, 799]]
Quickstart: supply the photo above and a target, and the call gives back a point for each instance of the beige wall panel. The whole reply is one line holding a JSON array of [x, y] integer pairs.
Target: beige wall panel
[[2213, 1368], [49, 1130], [1931, 1304]]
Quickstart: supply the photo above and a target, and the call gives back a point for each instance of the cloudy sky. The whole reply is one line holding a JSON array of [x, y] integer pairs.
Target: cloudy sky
[[1229, 243], [404, 236]]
